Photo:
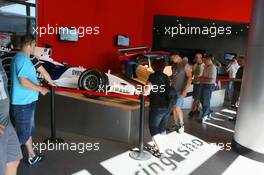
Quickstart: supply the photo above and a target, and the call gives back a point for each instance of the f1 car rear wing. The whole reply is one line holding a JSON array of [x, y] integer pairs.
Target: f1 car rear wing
[[43, 54], [133, 50]]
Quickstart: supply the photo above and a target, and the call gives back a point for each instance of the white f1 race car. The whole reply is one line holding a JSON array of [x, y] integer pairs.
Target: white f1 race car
[[81, 78]]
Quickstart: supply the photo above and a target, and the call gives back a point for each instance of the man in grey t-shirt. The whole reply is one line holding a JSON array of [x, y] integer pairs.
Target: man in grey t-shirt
[[10, 152], [181, 80], [208, 80]]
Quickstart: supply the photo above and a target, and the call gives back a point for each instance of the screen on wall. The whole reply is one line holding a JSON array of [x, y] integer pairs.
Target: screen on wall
[[229, 56], [67, 34], [123, 40]]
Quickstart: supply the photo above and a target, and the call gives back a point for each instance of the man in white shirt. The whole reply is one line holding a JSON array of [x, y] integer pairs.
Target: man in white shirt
[[232, 69]]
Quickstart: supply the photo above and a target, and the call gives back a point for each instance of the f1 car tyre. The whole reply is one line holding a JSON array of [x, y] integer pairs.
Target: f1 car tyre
[[93, 80]]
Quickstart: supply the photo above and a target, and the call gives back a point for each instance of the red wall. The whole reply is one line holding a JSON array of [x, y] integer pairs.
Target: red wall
[[129, 17], [112, 16]]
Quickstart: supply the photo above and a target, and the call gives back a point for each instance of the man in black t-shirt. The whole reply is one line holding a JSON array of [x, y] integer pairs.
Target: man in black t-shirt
[[238, 81], [159, 104], [158, 99]]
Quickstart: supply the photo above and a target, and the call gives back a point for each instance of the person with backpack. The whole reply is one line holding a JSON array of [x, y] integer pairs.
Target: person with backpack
[[159, 111]]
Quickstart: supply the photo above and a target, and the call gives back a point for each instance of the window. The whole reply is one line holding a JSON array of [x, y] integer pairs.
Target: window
[[17, 17]]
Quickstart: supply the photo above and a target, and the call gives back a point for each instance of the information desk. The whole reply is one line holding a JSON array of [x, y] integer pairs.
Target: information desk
[[104, 117]]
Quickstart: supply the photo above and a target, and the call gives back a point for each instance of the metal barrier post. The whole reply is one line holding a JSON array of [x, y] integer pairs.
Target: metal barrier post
[[141, 154], [53, 138]]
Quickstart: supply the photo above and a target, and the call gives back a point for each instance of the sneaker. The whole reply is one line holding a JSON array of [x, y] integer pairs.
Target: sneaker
[[163, 133], [206, 118], [232, 119], [35, 159], [234, 107], [173, 128], [162, 155], [181, 129], [191, 113]]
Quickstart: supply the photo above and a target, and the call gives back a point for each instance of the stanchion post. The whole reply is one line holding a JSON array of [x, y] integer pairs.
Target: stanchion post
[[53, 138], [52, 113], [141, 154], [142, 121]]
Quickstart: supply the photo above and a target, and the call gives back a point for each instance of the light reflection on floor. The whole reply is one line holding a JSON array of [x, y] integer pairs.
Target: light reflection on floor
[[243, 165], [184, 153], [82, 172], [229, 111], [220, 114], [220, 127]]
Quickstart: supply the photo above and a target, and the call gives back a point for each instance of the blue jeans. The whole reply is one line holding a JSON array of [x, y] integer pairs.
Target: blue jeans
[[197, 89], [23, 118], [229, 90], [158, 117], [206, 95]]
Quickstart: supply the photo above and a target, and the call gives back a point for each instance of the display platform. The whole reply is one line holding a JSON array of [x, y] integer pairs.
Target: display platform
[[104, 117]]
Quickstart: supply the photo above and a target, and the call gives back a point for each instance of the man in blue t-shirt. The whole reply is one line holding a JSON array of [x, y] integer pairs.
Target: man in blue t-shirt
[[25, 89]]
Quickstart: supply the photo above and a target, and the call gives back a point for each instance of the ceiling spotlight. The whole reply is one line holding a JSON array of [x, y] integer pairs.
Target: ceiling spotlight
[[241, 30], [188, 24], [177, 20], [247, 27], [236, 32], [213, 23]]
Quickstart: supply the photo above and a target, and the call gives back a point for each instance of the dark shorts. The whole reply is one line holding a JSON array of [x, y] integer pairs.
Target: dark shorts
[[197, 91], [9, 148], [23, 118], [158, 117]]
